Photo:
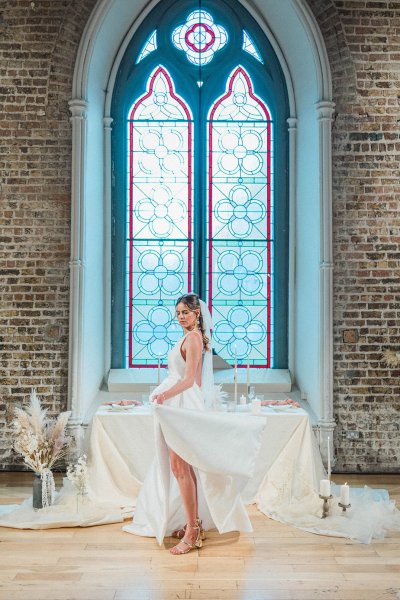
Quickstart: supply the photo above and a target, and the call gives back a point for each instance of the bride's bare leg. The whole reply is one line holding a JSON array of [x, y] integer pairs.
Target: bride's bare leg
[[192, 473], [179, 533], [186, 479]]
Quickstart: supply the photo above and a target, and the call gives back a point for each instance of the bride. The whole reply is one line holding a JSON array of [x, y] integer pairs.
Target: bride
[[193, 445]]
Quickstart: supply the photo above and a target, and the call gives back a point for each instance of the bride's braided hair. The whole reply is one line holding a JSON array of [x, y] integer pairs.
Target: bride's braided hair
[[192, 301]]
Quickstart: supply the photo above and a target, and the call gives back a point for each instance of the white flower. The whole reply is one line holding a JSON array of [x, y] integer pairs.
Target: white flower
[[78, 474]]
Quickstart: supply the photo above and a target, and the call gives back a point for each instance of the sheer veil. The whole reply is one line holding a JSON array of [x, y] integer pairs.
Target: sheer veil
[[207, 378]]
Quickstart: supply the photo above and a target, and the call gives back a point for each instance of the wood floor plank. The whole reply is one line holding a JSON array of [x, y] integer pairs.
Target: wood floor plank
[[72, 593], [274, 562]]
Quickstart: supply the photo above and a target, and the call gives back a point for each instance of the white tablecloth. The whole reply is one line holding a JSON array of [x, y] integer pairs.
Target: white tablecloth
[[121, 448]]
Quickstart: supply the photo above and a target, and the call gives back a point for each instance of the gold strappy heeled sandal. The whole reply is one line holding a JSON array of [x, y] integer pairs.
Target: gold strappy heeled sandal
[[180, 533], [178, 549]]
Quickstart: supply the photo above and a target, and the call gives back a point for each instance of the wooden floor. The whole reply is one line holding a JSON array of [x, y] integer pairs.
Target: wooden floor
[[275, 562]]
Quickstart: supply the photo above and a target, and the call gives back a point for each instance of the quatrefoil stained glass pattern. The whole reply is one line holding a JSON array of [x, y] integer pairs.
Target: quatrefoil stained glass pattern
[[240, 223], [159, 219], [156, 332], [240, 333], [199, 37]]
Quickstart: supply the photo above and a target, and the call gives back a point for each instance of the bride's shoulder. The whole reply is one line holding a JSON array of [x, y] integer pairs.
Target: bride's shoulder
[[194, 337]]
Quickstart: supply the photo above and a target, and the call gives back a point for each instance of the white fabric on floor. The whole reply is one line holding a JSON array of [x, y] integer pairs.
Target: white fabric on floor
[[67, 511]]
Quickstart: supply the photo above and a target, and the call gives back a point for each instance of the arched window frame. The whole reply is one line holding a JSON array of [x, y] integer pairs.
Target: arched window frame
[[268, 82]]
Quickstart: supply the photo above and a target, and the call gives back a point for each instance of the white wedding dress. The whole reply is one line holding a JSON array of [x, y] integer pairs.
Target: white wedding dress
[[212, 443]]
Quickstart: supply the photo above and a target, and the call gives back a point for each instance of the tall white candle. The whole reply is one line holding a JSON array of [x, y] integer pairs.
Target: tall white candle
[[329, 458], [235, 375], [159, 371], [248, 375], [325, 488], [345, 494]]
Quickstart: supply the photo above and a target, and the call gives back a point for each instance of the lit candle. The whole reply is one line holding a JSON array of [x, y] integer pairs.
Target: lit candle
[[325, 488], [329, 458], [235, 375], [345, 494], [248, 375], [159, 371]]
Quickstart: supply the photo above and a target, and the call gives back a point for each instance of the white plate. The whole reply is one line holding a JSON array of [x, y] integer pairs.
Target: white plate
[[119, 408], [284, 408]]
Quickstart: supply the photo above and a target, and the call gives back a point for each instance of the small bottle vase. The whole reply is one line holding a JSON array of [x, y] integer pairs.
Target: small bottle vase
[[37, 501]]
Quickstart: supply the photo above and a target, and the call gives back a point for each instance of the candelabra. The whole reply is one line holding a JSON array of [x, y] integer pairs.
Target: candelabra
[[325, 506], [344, 507]]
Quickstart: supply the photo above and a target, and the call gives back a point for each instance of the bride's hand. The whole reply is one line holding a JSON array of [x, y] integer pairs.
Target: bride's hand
[[158, 399]]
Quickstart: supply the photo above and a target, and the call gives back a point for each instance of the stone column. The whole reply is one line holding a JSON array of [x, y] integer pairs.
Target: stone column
[[78, 108], [107, 122], [292, 130], [325, 110]]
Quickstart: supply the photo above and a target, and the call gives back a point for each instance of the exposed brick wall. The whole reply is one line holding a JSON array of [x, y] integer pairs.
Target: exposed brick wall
[[363, 43], [38, 45]]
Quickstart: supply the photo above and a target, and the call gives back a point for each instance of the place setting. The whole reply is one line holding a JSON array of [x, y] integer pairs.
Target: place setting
[[121, 406], [252, 401]]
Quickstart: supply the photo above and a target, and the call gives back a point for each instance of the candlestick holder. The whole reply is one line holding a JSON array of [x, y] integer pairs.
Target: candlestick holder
[[325, 506], [344, 507]]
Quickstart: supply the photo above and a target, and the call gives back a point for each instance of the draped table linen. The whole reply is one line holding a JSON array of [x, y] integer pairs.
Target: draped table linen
[[284, 482]]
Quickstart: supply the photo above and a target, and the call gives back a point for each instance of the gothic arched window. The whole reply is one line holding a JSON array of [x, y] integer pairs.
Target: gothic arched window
[[200, 185]]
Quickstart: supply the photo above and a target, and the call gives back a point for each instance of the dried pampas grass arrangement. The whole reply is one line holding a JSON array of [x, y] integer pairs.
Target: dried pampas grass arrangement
[[41, 441]]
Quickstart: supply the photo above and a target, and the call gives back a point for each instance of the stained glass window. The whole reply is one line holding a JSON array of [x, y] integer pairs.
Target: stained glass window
[[150, 46], [199, 37], [249, 46], [240, 219], [199, 185], [159, 220]]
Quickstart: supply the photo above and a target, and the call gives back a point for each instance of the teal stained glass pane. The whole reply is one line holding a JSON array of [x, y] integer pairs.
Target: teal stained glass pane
[[159, 219], [240, 223]]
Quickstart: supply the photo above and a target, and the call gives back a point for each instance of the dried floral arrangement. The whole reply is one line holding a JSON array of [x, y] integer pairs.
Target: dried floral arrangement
[[41, 441]]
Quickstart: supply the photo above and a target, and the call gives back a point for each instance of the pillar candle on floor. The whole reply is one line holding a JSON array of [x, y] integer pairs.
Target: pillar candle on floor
[[345, 494]]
